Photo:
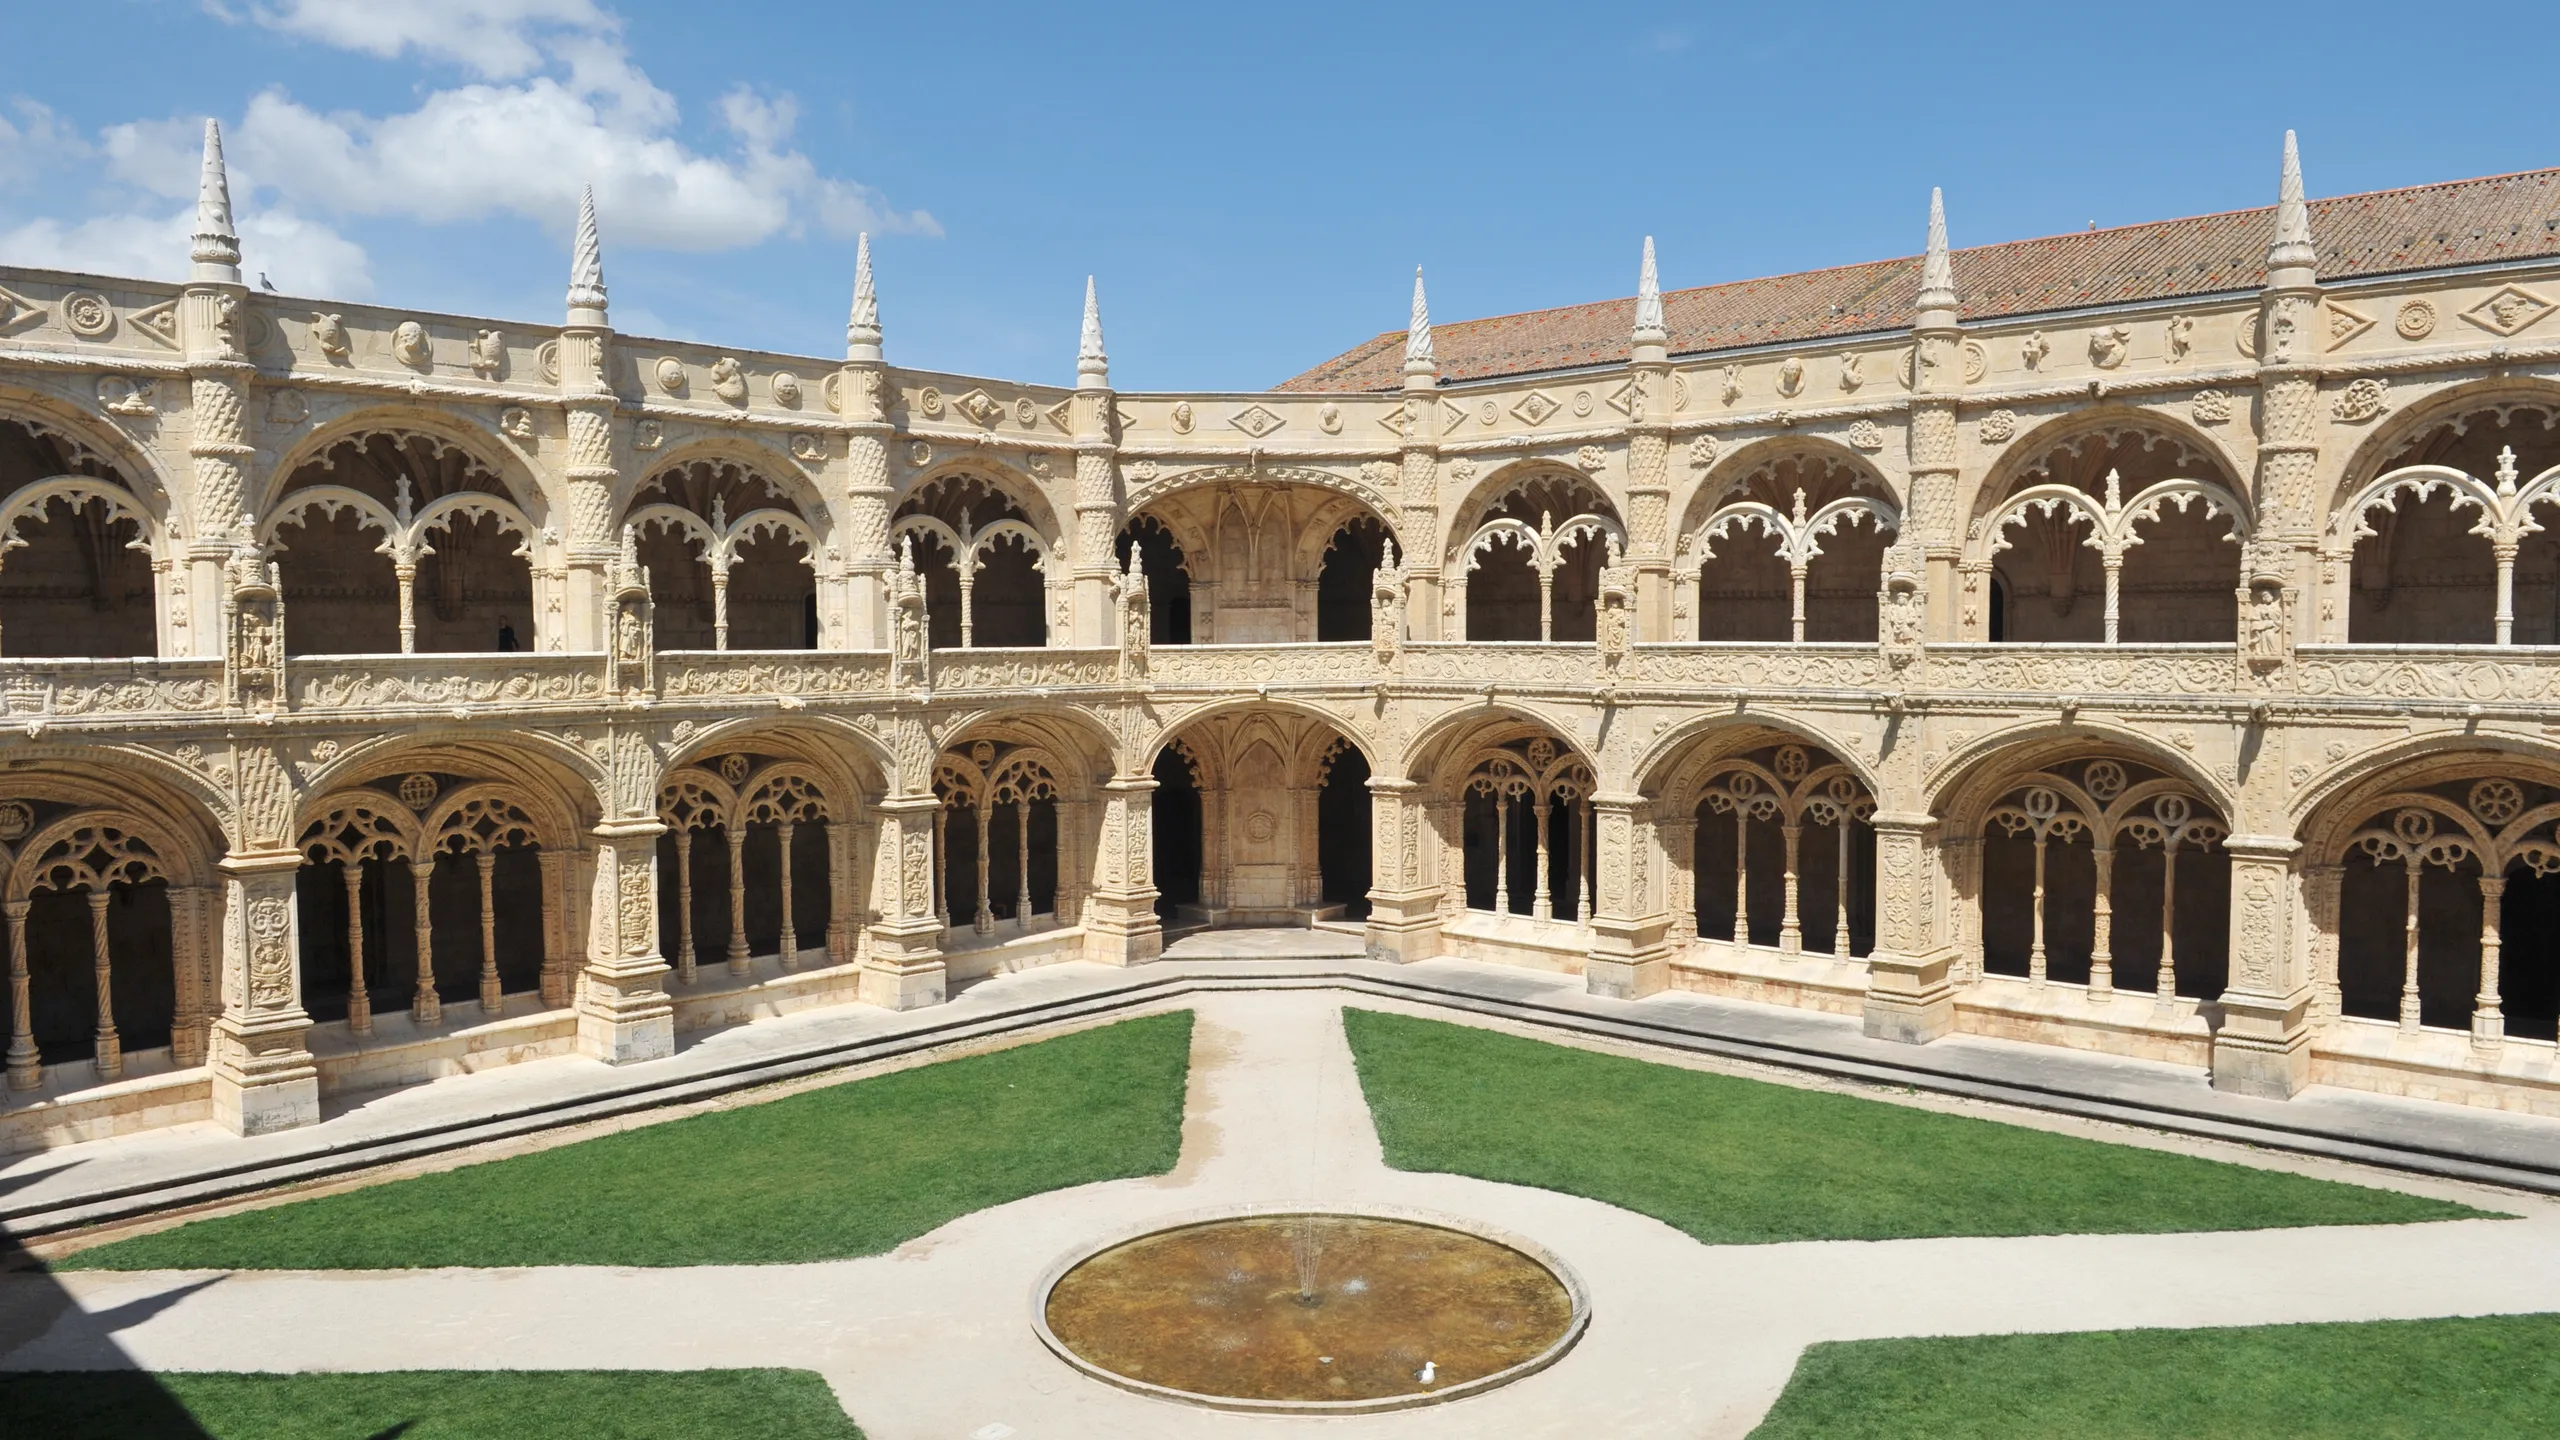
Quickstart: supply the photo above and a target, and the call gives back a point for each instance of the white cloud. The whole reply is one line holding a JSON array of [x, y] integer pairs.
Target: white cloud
[[552, 100], [557, 103], [36, 141], [303, 256], [497, 39]]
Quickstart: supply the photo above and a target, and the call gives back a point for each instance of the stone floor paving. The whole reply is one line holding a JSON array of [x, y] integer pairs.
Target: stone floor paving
[[934, 1342]]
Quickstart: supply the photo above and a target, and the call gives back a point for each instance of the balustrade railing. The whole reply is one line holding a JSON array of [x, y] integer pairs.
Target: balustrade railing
[[94, 690]]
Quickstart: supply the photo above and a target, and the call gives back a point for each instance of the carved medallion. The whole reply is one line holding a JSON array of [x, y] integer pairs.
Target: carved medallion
[[87, 314]]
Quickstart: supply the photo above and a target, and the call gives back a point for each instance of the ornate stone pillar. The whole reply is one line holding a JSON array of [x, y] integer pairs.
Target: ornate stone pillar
[[1120, 925], [864, 390], [624, 1013], [2264, 1045], [1405, 883], [1418, 477], [2290, 422], [591, 476], [1649, 413], [1937, 376], [904, 970], [1910, 993], [263, 1075], [1097, 488], [218, 374], [1680, 877], [559, 961], [1630, 951]]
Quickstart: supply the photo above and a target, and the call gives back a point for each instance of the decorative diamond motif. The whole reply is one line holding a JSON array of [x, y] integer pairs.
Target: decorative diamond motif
[[1256, 421], [1062, 415], [2344, 324], [160, 322], [17, 312], [2507, 311], [1537, 407], [980, 407]]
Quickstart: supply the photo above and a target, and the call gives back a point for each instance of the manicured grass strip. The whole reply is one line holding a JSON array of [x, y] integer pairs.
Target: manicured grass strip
[[853, 1169], [426, 1405], [2484, 1379], [1735, 1161]]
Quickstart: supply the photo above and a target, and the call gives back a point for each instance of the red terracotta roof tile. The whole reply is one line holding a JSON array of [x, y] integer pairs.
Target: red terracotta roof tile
[[2426, 227]]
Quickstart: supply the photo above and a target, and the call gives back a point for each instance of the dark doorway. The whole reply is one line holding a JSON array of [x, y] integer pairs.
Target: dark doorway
[[1177, 832], [1168, 582], [1342, 587], [1343, 844]]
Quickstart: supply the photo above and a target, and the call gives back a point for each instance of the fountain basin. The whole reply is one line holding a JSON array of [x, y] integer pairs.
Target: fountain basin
[[1295, 1310]]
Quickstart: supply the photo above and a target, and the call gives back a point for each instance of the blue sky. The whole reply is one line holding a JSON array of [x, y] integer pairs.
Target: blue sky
[[1252, 184]]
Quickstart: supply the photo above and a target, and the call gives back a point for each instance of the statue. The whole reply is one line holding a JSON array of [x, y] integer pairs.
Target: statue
[[627, 639]]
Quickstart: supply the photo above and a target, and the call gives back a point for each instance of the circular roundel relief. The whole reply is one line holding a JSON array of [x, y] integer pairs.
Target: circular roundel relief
[[1260, 826]]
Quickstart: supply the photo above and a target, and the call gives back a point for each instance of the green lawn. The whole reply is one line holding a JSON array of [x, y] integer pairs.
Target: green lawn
[[426, 1405], [2484, 1379], [853, 1169], [1735, 1161]]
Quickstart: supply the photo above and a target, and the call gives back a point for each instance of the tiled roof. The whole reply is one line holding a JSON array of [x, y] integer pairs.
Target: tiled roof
[[2426, 227]]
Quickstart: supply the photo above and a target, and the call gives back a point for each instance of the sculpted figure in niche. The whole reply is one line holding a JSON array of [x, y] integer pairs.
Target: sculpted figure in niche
[[910, 636], [2263, 635], [1902, 618], [626, 635]]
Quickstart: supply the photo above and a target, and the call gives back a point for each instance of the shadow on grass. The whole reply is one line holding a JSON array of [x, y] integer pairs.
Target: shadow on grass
[[36, 1309]]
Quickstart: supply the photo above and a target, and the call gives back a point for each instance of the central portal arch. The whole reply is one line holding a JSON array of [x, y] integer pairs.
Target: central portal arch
[[1261, 818]]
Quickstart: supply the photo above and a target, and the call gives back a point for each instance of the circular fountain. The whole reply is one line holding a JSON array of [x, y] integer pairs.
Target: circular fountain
[[1296, 1311]]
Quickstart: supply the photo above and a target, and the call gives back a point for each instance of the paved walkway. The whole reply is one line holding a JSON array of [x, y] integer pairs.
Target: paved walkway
[[138, 1175], [932, 1342]]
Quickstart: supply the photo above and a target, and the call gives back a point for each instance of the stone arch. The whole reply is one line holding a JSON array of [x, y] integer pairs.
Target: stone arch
[[1527, 550], [2445, 526], [83, 839], [1784, 540], [485, 448], [787, 477], [1952, 791], [733, 537], [2101, 504], [786, 816], [84, 433], [1018, 828], [2431, 874], [1428, 753], [1265, 839], [1173, 727], [85, 547], [546, 763], [993, 566], [1512, 805], [1253, 553], [1218, 478], [1017, 485], [2398, 431], [396, 902], [395, 536], [1662, 771], [2027, 459], [1765, 838], [2084, 857], [854, 760]]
